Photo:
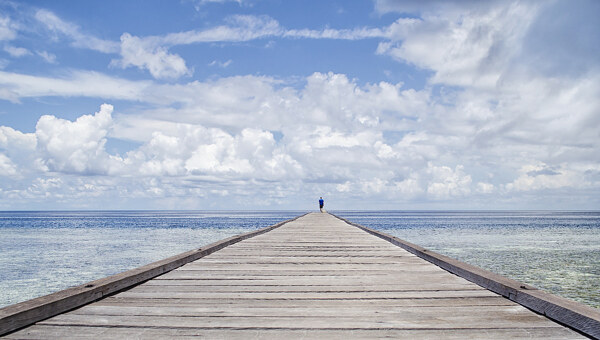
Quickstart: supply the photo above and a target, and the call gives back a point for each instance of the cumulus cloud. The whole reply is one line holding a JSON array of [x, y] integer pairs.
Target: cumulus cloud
[[18, 151], [45, 187], [212, 154], [243, 151], [446, 182], [11, 139], [376, 140], [7, 167], [409, 188], [75, 147]]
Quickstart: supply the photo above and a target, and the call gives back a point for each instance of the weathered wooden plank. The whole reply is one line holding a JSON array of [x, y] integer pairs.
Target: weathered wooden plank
[[368, 311], [311, 260], [83, 332], [277, 275], [309, 294], [192, 285], [333, 270], [406, 321], [308, 280], [297, 303], [270, 291], [363, 267]]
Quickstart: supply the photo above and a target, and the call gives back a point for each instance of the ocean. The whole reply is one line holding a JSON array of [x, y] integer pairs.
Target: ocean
[[43, 252]]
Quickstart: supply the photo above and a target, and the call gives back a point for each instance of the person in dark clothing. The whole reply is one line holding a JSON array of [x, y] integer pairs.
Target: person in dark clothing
[[321, 204]]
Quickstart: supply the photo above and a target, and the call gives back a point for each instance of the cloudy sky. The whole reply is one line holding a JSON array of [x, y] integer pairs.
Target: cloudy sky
[[248, 104]]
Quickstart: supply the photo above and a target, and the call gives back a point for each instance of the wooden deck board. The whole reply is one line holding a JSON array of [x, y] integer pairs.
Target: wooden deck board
[[315, 277], [83, 332]]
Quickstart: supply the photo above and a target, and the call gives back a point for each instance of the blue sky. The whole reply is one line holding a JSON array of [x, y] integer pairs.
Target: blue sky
[[270, 104]]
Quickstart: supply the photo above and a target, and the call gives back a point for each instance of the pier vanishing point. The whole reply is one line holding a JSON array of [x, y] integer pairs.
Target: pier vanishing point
[[316, 276]]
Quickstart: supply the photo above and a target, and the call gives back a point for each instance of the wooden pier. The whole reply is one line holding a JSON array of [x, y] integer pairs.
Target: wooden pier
[[314, 277]]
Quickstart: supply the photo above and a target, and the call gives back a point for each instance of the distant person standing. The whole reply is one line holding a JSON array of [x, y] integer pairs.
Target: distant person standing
[[321, 204]]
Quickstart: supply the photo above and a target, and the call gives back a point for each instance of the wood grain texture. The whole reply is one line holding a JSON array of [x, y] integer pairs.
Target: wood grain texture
[[315, 277]]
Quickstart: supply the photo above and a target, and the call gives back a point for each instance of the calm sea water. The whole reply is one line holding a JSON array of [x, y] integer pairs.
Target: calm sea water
[[43, 252]]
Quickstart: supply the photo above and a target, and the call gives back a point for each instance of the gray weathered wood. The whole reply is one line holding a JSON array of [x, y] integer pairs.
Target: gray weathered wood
[[84, 332]]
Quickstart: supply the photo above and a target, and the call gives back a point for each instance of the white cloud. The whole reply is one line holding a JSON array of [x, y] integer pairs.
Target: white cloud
[[464, 46], [446, 183], [44, 187], [379, 141], [82, 40], [409, 188], [16, 52], [341, 34], [239, 28], [18, 151], [485, 188], [143, 54], [179, 143], [325, 137], [540, 177], [15, 86], [152, 53], [193, 150], [11, 139], [76, 147], [7, 167]]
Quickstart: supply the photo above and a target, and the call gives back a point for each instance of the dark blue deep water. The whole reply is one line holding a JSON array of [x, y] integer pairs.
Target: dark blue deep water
[[43, 252]]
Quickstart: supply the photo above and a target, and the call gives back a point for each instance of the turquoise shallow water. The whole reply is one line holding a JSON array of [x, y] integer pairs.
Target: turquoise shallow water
[[557, 251], [43, 252]]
